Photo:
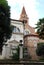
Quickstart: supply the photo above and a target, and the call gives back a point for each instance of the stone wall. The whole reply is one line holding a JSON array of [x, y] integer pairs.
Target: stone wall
[[13, 62]]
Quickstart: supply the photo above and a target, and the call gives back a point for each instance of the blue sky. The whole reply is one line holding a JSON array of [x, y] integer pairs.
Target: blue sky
[[34, 9], [40, 8]]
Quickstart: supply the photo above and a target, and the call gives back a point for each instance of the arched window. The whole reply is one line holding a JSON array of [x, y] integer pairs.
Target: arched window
[[16, 29]]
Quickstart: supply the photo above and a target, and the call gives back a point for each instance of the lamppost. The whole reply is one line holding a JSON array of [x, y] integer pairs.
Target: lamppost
[[21, 50]]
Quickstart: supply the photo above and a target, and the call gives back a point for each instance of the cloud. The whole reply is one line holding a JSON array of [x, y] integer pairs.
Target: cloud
[[30, 7]]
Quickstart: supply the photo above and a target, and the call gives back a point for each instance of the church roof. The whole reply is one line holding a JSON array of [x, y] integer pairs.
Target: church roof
[[31, 29]]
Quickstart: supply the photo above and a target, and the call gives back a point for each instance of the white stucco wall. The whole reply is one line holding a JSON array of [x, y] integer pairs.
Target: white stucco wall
[[18, 24], [15, 36]]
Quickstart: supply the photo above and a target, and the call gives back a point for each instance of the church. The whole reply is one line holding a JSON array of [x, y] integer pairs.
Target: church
[[22, 31]]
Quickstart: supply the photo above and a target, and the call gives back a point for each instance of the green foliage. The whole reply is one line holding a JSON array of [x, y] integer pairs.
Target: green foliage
[[25, 54], [5, 24], [16, 55], [40, 28], [41, 59], [40, 49]]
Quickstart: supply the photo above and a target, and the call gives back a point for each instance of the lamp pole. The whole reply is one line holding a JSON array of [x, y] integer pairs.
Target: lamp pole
[[21, 50]]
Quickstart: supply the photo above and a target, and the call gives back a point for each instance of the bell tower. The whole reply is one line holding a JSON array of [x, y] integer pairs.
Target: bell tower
[[23, 15]]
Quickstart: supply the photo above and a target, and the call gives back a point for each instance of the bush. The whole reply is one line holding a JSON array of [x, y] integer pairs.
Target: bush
[[40, 49], [16, 55]]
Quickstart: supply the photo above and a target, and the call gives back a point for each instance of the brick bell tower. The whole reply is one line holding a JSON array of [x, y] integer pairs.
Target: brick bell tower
[[23, 15]]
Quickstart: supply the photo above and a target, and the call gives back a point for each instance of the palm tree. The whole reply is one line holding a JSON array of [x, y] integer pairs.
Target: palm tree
[[40, 28]]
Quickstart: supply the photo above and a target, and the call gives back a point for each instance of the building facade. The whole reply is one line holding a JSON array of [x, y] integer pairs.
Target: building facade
[[22, 31]]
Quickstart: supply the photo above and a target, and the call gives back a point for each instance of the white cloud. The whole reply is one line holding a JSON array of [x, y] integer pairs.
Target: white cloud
[[30, 7]]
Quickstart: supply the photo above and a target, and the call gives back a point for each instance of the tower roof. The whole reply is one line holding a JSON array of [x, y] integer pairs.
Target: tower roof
[[23, 15], [23, 11]]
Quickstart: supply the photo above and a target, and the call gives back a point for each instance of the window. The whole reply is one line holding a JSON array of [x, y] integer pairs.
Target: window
[[26, 32], [16, 29]]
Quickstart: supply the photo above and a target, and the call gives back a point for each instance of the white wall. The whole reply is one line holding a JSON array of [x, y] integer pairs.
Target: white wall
[[18, 24], [17, 37]]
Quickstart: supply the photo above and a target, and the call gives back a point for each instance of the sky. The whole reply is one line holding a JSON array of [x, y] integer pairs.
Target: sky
[[34, 9]]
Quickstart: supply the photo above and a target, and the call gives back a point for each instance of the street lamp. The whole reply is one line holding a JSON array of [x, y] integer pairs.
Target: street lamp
[[20, 43], [21, 50]]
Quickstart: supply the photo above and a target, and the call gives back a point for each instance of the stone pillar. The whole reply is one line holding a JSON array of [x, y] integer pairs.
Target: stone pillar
[[4, 51], [8, 49], [21, 51]]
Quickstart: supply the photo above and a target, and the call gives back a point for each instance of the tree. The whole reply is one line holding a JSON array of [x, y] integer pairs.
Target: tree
[[5, 26], [40, 49], [16, 55], [40, 28]]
